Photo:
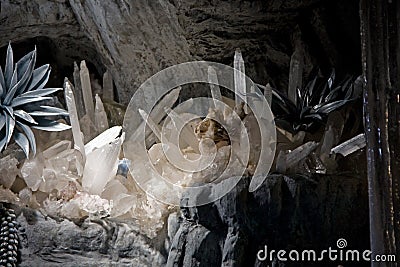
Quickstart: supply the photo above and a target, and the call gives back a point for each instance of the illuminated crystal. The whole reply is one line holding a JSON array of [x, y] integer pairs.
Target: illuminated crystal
[[101, 166], [87, 91], [100, 116]]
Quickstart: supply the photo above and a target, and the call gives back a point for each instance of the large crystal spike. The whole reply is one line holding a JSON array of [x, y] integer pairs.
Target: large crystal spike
[[100, 116], [88, 128], [215, 91], [104, 138], [268, 94], [239, 78], [295, 74], [101, 166], [187, 135], [77, 89], [158, 112], [300, 153], [108, 88], [87, 90], [153, 126], [350, 146], [73, 116]]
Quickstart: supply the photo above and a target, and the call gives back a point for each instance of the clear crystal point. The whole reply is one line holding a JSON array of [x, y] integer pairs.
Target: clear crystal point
[[215, 91], [74, 119], [87, 90], [187, 135], [77, 89], [101, 166], [158, 112], [295, 74], [108, 88], [239, 78], [104, 138], [153, 126], [268, 94], [100, 116]]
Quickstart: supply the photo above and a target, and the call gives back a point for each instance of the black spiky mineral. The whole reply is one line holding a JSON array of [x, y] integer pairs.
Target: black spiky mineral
[[9, 241]]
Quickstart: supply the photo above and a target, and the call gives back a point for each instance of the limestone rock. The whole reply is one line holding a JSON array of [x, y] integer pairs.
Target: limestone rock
[[46, 242]]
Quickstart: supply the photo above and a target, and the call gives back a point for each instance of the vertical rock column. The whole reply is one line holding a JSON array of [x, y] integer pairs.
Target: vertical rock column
[[380, 24]]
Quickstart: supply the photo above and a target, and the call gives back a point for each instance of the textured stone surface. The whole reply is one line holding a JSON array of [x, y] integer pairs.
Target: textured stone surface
[[138, 40], [285, 213], [46, 242], [135, 39]]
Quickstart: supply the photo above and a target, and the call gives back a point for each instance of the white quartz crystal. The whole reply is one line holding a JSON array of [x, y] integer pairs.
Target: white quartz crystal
[[8, 171], [100, 116], [101, 166], [74, 119], [214, 87], [87, 91], [104, 138], [32, 171], [108, 90], [239, 78]]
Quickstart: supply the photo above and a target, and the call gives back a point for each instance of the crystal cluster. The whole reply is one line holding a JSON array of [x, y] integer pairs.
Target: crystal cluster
[[200, 142], [80, 173]]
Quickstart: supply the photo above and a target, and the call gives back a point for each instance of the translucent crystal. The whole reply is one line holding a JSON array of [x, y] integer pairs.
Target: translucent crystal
[[32, 171], [100, 116], [88, 128], [69, 191], [239, 78], [83, 204], [101, 166], [350, 146], [108, 90], [25, 195], [93, 204], [77, 89], [74, 119], [295, 74], [112, 189], [123, 204], [153, 126], [8, 171], [50, 181], [300, 153], [183, 130], [215, 91], [158, 112], [332, 135], [7, 196], [56, 149], [87, 91], [268, 94], [104, 138], [254, 135]]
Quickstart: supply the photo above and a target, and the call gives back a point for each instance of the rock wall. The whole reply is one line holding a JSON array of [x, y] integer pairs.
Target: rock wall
[[47, 242], [285, 213], [136, 39]]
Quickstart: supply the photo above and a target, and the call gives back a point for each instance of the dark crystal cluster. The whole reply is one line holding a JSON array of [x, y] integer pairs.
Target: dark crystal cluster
[[9, 241]]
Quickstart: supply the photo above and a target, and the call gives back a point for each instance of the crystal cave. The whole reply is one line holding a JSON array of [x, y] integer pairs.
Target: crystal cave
[[196, 133]]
